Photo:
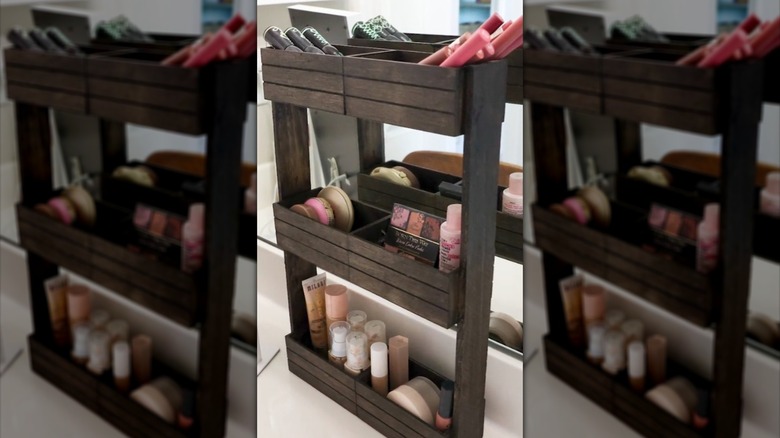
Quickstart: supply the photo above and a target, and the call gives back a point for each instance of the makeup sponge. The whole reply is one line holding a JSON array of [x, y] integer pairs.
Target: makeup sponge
[[322, 209], [140, 175], [343, 211], [409, 175], [599, 206], [654, 175], [65, 210], [393, 176], [578, 209]]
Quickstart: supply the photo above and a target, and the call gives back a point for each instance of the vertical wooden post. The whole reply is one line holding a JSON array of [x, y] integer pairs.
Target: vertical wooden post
[[113, 142], [484, 100], [371, 143], [549, 146], [33, 135], [738, 169], [222, 207], [628, 141], [293, 172]]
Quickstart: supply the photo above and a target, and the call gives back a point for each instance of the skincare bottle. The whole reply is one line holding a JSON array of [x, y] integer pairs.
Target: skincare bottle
[[357, 353], [379, 368], [250, 197], [399, 361], [770, 195], [512, 201], [656, 358], [79, 305], [99, 352], [121, 366], [449, 240], [357, 320], [336, 306], [636, 365], [80, 352], [141, 357], [707, 239], [338, 347], [596, 343], [593, 299], [634, 330], [444, 415], [376, 332], [614, 352], [99, 319], [614, 318], [192, 234]]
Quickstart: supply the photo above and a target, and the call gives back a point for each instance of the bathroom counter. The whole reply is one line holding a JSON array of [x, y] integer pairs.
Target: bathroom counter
[[288, 406]]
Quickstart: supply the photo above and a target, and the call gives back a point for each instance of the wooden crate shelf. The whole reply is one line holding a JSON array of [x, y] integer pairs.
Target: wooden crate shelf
[[665, 283], [98, 393], [157, 286], [355, 394], [573, 81], [615, 395], [359, 258]]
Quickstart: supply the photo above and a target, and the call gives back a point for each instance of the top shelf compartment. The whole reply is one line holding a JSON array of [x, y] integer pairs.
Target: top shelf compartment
[[385, 86], [123, 85], [645, 86]]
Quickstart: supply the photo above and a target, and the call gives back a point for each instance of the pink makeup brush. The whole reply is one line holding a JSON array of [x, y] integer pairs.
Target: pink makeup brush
[[467, 50], [509, 36], [725, 50]]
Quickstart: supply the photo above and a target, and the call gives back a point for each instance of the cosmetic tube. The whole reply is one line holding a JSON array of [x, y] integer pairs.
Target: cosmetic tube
[[314, 292], [357, 320], [571, 292], [444, 415], [379, 368], [593, 304], [512, 198], [376, 332], [707, 239], [614, 352], [99, 352], [338, 347], [399, 361], [80, 352], [79, 304], [685, 389], [636, 365], [656, 358], [725, 50], [336, 306], [121, 365], [449, 240], [56, 296], [357, 353], [770, 195], [596, 334], [141, 357]]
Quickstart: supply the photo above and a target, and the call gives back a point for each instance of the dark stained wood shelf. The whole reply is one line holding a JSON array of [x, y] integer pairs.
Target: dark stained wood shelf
[[726, 100], [386, 88], [212, 101]]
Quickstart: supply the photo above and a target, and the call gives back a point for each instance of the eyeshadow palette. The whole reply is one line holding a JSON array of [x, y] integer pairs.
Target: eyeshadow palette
[[414, 233], [158, 233], [674, 230]]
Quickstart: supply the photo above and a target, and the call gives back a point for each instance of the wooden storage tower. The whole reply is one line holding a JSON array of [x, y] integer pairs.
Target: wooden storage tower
[[646, 87], [119, 87], [389, 87]]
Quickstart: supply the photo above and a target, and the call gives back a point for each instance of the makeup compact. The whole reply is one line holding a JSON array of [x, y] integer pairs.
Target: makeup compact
[[598, 205], [323, 212], [651, 174], [419, 396], [343, 211], [154, 400], [83, 204], [667, 399], [396, 175], [141, 175], [506, 330]]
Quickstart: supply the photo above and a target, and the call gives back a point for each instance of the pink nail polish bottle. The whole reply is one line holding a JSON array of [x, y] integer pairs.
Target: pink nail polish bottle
[[708, 239], [512, 200], [192, 239], [449, 240]]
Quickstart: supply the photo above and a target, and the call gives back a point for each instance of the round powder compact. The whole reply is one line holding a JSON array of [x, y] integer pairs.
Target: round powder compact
[[685, 389], [323, 210], [409, 175], [506, 330], [578, 209], [419, 396], [653, 175], [763, 329], [598, 204], [305, 210], [392, 175], [153, 399], [83, 204], [47, 210], [143, 176], [667, 399], [562, 211], [341, 205]]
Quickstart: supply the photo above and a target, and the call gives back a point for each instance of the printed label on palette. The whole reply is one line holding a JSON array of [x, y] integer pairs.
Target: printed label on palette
[[414, 233]]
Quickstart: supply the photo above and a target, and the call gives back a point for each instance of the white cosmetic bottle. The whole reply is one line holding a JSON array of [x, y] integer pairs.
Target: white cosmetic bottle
[[449, 240], [770, 195], [707, 239], [192, 239], [512, 201]]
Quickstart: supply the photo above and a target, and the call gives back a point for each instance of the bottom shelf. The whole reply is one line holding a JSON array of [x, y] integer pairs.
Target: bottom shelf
[[355, 394], [99, 395], [615, 395]]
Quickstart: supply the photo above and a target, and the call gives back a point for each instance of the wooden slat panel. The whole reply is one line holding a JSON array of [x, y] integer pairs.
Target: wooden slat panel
[[46, 97], [312, 80], [344, 402], [320, 362], [302, 61], [304, 98], [660, 72], [560, 97], [145, 72], [512, 253], [590, 83], [408, 95], [186, 123], [44, 60], [312, 241], [563, 61], [379, 425], [162, 97], [75, 83], [317, 370], [321, 259], [329, 234], [684, 98], [431, 121], [393, 71], [700, 123]]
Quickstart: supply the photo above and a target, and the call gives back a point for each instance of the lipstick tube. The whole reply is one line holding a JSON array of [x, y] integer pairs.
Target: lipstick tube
[[725, 50], [440, 55], [509, 36], [210, 50], [463, 54], [493, 23]]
